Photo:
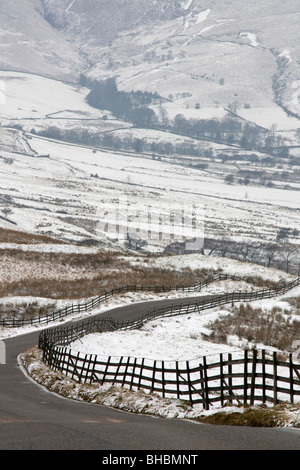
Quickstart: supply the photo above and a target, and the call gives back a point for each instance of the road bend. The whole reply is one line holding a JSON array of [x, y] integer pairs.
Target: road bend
[[32, 418]]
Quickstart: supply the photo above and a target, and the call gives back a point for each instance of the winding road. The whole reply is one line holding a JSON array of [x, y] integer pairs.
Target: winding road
[[31, 418]]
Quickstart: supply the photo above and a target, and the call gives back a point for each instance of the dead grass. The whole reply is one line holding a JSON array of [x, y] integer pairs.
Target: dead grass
[[276, 327], [58, 275], [15, 236], [96, 282], [28, 310], [71, 276], [295, 303], [253, 417], [67, 276]]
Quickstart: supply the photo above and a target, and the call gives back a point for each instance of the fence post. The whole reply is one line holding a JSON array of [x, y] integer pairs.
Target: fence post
[[106, 369], [82, 368], [221, 379], [275, 376], [189, 382], [291, 379], [141, 372], [125, 372], [153, 376], [75, 365], [177, 380], [118, 368], [263, 360], [93, 369], [245, 376], [163, 377], [230, 378], [133, 371], [206, 397], [254, 360]]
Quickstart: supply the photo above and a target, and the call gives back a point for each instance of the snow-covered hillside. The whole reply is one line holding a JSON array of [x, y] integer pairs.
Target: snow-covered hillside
[[211, 51], [68, 190]]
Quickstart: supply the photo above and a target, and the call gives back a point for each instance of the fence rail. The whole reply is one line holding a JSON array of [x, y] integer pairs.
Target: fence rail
[[95, 302], [249, 378]]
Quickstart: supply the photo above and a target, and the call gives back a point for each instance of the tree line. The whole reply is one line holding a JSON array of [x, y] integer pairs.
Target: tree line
[[132, 106], [135, 107], [281, 254]]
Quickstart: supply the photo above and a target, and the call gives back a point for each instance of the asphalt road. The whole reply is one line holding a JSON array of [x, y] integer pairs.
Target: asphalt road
[[31, 418]]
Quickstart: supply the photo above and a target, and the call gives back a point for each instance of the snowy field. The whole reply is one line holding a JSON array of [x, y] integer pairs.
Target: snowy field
[[33, 97], [69, 192], [178, 263]]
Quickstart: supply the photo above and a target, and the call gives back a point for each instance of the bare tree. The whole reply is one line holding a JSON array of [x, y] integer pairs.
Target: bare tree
[[223, 246], [211, 245], [270, 252], [290, 256], [249, 250]]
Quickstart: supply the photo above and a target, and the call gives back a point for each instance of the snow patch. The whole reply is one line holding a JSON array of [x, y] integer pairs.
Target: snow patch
[[251, 37], [70, 6], [187, 5], [286, 54], [296, 93], [203, 15]]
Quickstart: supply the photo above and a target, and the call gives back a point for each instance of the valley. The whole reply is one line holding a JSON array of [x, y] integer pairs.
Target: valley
[[75, 191]]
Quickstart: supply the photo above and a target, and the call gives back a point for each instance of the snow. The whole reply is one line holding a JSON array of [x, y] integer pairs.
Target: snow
[[2, 92], [181, 338], [187, 5], [203, 15], [269, 116], [171, 339], [70, 6], [228, 266], [286, 53], [179, 262], [296, 94], [252, 38], [69, 161], [33, 97]]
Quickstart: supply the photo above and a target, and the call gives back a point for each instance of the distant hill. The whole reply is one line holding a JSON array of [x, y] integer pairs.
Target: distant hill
[[210, 52]]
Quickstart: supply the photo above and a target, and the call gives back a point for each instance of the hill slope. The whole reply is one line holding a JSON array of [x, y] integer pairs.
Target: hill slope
[[214, 52]]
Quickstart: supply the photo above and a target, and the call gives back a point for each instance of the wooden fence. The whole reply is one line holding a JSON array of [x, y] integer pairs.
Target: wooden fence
[[248, 378], [65, 335], [95, 302], [240, 378]]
